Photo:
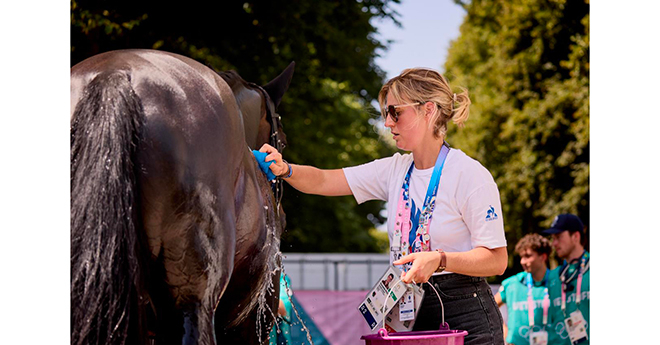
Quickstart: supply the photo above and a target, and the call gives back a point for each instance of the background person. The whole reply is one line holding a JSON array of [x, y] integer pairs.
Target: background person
[[443, 206], [281, 332], [569, 283], [534, 251]]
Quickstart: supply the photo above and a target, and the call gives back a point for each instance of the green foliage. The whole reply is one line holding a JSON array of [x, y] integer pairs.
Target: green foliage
[[336, 134], [326, 112], [526, 65]]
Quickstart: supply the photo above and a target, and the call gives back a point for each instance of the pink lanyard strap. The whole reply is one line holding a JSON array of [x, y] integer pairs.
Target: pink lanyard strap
[[402, 225], [530, 301], [578, 296], [546, 306]]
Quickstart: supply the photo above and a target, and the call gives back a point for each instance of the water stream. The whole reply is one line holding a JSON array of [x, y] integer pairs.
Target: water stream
[[264, 309], [275, 264], [295, 310]]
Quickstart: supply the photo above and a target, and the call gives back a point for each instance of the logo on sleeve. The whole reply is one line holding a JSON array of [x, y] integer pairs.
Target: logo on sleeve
[[491, 215]]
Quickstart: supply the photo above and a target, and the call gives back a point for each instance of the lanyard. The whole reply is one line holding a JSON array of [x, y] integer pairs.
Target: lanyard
[[404, 240], [530, 300], [584, 266]]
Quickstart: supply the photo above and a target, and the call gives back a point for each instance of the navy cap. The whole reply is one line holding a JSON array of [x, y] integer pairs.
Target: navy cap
[[564, 222]]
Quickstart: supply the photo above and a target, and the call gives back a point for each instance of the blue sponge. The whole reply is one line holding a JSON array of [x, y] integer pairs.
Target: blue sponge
[[261, 159]]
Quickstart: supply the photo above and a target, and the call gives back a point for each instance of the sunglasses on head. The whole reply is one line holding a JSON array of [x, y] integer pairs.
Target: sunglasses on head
[[391, 110]]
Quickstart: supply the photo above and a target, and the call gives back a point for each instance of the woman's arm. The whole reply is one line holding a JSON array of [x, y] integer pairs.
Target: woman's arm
[[478, 262], [308, 179]]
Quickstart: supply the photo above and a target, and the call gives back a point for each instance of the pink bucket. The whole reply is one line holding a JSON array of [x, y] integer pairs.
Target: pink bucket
[[444, 336]]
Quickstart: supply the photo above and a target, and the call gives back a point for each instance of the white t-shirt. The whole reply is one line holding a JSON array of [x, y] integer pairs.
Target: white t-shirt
[[467, 214]]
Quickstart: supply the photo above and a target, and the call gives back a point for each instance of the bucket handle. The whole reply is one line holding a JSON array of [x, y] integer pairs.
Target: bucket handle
[[443, 325], [383, 333]]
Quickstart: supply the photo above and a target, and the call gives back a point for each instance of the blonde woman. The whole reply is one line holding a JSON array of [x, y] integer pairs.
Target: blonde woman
[[444, 214]]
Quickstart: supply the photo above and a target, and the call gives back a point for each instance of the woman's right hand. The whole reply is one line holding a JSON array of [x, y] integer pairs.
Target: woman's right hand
[[279, 168], [306, 178]]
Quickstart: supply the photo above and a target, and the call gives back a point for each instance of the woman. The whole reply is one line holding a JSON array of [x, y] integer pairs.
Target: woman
[[445, 220]]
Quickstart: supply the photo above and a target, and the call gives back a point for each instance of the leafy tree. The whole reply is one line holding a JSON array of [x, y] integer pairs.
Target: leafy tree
[[526, 65], [327, 109]]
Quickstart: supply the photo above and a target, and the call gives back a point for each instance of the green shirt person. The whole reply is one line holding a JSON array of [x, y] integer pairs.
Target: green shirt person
[[527, 291], [568, 284]]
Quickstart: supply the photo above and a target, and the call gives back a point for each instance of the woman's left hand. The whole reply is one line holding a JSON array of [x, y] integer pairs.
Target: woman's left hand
[[424, 265]]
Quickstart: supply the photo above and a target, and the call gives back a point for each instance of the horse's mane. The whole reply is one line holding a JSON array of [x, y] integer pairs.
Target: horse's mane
[[234, 80]]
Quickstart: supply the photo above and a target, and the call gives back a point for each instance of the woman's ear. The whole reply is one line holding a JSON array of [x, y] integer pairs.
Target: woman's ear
[[429, 109]]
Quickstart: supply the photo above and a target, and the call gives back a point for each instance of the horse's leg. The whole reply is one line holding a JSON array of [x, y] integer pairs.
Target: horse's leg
[[246, 311], [191, 233], [197, 325]]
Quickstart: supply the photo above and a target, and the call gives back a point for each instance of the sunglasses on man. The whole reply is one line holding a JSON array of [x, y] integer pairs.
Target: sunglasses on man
[[391, 110]]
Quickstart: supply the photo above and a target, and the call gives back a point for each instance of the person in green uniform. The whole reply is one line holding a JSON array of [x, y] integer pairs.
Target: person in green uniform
[[568, 284], [281, 332], [527, 289]]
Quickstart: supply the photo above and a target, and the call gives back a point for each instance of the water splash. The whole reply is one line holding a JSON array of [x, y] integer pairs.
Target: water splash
[[274, 263], [295, 310]]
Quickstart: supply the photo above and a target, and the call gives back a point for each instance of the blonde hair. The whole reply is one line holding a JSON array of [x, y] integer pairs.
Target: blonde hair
[[426, 85]]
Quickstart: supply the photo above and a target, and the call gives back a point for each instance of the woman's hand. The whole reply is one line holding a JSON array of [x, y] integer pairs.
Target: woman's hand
[[278, 168], [424, 265], [305, 178], [476, 262]]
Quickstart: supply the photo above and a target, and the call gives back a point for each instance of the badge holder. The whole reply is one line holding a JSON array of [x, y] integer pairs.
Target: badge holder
[[384, 296], [577, 327], [402, 317], [538, 337]]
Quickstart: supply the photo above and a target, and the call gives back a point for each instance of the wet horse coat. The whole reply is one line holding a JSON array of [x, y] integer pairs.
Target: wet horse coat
[[172, 224]]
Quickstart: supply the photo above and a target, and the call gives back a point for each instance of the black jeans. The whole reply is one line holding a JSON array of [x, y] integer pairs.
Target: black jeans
[[469, 305]]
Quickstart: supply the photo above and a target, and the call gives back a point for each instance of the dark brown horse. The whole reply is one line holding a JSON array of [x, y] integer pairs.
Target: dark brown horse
[[174, 230]]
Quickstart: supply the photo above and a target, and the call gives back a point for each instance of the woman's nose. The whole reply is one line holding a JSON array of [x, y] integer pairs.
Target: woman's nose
[[389, 122]]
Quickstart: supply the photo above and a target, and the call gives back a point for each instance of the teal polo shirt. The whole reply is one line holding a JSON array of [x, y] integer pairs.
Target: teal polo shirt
[[514, 293], [559, 334]]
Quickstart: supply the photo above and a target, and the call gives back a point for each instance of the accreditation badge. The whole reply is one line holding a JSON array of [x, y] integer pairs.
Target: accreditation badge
[[407, 305], [399, 319], [382, 298], [538, 338], [577, 327]]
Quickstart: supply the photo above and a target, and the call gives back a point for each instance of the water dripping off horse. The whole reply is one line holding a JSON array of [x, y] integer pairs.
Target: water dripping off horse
[[174, 230]]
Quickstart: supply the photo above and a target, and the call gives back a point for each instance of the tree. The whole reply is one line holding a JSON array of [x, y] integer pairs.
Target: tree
[[526, 66], [327, 109]]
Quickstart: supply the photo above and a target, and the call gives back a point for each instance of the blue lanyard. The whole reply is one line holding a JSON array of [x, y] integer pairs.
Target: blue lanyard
[[431, 192]]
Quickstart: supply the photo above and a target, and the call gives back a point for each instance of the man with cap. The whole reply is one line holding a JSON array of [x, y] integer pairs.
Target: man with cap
[[568, 284]]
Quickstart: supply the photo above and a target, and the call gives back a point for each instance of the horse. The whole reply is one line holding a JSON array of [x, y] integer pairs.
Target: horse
[[174, 229]]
